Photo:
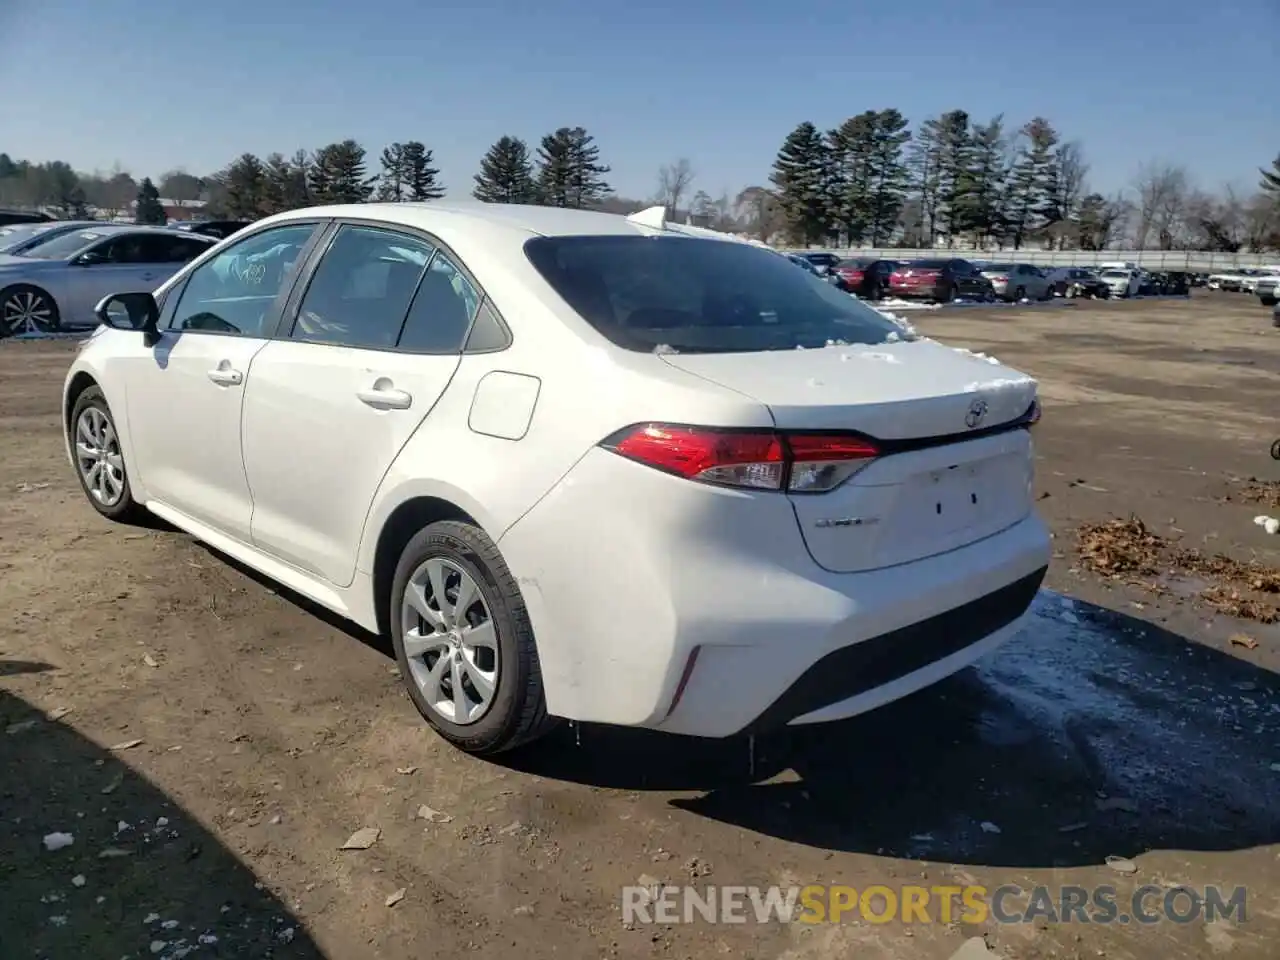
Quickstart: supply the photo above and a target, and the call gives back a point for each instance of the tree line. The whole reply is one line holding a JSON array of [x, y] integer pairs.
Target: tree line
[[872, 181], [955, 181]]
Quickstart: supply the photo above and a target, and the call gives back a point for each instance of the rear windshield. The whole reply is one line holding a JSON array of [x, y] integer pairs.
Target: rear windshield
[[1115, 273], [701, 296], [929, 264], [1001, 267], [855, 262]]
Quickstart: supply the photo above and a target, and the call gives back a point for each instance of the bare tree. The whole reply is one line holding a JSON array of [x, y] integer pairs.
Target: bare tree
[[180, 187], [1161, 190], [759, 213], [1072, 171], [674, 180]]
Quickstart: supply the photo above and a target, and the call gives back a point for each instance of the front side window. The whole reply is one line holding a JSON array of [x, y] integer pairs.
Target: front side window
[[361, 291], [234, 292], [695, 295]]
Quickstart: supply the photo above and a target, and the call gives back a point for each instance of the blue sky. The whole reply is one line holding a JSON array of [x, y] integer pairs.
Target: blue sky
[[158, 84]]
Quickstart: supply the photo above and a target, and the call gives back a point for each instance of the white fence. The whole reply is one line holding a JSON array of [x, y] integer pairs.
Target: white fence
[[1186, 261]]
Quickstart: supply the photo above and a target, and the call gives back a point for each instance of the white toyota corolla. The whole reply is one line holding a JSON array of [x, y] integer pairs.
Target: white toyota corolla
[[576, 465]]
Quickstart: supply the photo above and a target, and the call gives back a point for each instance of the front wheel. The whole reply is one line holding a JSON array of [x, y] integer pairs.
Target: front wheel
[[99, 458], [464, 642], [27, 309]]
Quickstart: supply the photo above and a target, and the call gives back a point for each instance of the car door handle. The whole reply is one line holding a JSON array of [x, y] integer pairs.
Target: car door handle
[[385, 398], [226, 377]]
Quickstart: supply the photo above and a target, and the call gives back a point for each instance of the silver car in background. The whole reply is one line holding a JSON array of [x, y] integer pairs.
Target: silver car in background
[[1018, 281], [56, 283]]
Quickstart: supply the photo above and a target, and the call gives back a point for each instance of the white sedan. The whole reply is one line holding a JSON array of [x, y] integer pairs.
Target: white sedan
[[575, 465]]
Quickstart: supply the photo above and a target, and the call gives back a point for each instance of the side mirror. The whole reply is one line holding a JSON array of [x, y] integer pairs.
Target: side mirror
[[89, 258], [131, 311]]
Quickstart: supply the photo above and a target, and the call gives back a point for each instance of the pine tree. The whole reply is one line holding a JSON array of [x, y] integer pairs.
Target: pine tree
[[506, 174], [285, 182], [955, 157], [1032, 181], [149, 210], [245, 183], [421, 179], [391, 183], [849, 150], [887, 176], [802, 178], [924, 163], [338, 174], [983, 183], [1270, 183], [570, 173]]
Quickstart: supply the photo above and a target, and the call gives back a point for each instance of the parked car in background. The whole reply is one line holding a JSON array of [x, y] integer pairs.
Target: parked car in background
[[22, 237], [864, 276], [804, 264], [1249, 283], [1268, 290], [1018, 281], [823, 261], [942, 280], [57, 283], [8, 217], [213, 228], [1073, 282], [1121, 283]]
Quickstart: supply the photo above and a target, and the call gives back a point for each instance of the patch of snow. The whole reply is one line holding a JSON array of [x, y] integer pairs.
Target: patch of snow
[[151, 918], [78, 880], [1269, 524], [58, 840]]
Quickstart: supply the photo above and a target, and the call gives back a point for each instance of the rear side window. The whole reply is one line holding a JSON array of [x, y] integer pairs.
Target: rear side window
[[441, 311], [706, 296]]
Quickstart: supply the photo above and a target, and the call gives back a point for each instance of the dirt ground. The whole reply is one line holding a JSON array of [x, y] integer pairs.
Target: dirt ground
[[210, 742]]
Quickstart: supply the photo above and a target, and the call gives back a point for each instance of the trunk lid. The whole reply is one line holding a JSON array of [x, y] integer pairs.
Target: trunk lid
[[945, 481]]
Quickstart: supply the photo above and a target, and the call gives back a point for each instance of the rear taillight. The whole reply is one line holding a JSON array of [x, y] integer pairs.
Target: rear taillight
[[760, 460], [998, 279]]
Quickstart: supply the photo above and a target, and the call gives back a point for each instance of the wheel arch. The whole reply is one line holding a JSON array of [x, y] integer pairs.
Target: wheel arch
[[80, 381], [400, 527]]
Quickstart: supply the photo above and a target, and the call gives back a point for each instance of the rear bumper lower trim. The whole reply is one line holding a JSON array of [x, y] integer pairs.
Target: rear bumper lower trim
[[861, 667]]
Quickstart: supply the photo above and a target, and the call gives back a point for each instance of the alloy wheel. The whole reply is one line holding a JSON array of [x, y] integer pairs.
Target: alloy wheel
[[450, 641], [27, 311], [98, 457]]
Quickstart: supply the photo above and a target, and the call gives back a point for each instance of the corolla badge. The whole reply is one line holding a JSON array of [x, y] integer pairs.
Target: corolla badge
[[977, 413]]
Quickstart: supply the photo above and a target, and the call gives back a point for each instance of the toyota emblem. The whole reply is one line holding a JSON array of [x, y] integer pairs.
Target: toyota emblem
[[977, 411]]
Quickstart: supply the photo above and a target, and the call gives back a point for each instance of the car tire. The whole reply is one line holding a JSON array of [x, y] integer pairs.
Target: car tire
[[107, 489], [514, 712], [25, 298]]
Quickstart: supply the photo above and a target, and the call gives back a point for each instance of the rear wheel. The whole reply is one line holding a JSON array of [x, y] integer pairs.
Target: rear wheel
[[1019, 294], [464, 642], [27, 309], [99, 458]]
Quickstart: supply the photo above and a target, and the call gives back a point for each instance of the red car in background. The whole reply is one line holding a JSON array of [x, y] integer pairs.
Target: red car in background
[[866, 277], [940, 280]]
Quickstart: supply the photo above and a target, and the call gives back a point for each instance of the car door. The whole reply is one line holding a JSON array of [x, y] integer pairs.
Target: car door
[[965, 278], [185, 393], [112, 265], [368, 345]]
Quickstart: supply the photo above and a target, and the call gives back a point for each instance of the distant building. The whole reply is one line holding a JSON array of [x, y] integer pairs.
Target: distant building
[[178, 210]]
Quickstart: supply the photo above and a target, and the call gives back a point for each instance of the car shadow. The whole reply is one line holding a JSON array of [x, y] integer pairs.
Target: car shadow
[[138, 875], [1090, 734], [306, 604]]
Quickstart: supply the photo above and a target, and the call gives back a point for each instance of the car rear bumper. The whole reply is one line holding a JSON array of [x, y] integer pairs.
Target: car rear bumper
[[658, 602]]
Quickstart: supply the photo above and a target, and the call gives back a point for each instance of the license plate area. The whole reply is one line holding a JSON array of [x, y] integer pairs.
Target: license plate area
[[953, 499]]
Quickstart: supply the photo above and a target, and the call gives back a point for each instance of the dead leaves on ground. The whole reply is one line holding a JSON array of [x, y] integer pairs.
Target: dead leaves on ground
[[1265, 492], [1127, 551]]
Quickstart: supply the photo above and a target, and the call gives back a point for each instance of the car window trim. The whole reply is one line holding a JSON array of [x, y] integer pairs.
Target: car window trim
[[289, 313], [173, 296]]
